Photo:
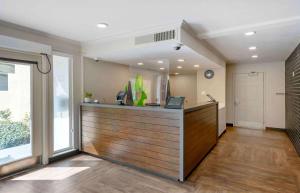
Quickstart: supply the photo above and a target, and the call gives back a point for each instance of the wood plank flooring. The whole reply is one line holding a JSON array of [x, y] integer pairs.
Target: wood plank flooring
[[243, 161]]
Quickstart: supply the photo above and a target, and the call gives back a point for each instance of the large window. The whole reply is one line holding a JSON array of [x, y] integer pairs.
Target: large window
[[15, 112], [62, 123]]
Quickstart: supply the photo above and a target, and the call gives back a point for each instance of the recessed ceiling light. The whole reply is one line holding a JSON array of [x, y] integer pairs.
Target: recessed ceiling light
[[176, 73], [162, 68], [102, 25], [179, 67], [254, 56], [140, 63], [252, 48], [196, 65], [250, 33], [180, 60], [160, 61]]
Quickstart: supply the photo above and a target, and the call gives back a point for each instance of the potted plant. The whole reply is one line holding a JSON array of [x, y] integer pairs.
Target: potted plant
[[87, 97]]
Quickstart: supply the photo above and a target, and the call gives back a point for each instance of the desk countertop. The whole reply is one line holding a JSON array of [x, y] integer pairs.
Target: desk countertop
[[187, 108]]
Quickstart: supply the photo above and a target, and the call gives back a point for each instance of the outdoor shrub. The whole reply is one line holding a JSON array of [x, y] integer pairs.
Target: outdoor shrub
[[13, 133]]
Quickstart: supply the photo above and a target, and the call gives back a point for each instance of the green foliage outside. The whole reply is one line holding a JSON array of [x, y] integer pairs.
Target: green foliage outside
[[13, 133]]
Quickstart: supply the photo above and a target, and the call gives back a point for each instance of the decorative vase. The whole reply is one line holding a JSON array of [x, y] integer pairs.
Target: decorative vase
[[87, 100]]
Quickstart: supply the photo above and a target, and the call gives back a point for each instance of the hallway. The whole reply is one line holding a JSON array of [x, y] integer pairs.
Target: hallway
[[244, 160]]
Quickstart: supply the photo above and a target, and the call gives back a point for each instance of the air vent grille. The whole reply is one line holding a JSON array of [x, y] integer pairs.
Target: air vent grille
[[156, 37], [162, 36]]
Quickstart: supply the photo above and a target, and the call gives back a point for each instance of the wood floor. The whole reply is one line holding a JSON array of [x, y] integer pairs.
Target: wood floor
[[243, 161]]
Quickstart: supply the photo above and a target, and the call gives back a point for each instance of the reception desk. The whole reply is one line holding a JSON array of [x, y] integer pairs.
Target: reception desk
[[167, 142]]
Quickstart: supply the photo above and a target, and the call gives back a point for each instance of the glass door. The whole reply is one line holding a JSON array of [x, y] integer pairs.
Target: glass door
[[62, 104], [21, 111], [15, 111]]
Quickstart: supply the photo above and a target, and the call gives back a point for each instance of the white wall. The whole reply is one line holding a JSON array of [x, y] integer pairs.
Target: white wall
[[184, 85], [274, 82], [104, 79], [215, 86]]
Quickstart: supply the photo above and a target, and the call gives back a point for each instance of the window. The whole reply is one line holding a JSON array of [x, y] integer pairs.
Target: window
[[62, 103], [15, 112]]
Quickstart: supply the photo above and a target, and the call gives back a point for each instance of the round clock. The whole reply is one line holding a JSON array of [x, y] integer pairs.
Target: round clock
[[209, 74]]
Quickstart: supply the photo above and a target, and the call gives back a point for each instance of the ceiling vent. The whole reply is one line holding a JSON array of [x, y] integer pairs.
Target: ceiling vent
[[157, 37], [162, 36]]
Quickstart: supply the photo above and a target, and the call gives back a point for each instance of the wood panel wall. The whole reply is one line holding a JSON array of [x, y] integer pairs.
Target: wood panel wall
[[292, 87], [144, 139], [200, 135]]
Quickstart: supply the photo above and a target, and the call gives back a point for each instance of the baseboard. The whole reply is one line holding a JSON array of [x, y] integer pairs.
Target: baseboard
[[63, 156], [269, 128], [275, 129], [222, 133]]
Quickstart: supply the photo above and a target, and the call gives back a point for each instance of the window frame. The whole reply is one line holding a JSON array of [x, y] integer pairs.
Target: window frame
[[36, 107]]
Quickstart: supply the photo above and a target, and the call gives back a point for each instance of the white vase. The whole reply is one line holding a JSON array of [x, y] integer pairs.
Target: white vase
[[87, 100]]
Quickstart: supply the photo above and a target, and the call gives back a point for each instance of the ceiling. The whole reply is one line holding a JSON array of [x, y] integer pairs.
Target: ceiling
[[150, 54], [221, 23]]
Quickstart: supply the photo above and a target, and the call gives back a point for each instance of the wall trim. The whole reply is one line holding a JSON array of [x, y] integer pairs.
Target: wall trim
[[276, 129]]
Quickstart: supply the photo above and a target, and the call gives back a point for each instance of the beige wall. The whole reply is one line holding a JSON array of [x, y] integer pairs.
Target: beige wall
[[184, 85], [274, 82], [104, 79], [215, 86]]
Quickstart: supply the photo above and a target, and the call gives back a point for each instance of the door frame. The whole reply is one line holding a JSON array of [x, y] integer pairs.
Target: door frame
[[234, 95], [35, 116]]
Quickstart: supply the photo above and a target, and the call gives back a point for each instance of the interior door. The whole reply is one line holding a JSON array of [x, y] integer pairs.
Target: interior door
[[249, 100], [20, 121]]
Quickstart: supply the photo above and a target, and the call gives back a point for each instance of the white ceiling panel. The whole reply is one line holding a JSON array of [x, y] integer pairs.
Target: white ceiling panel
[[222, 22]]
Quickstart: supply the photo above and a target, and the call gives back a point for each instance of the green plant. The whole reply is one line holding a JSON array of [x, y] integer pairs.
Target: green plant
[[88, 95], [5, 114], [140, 93], [13, 133]]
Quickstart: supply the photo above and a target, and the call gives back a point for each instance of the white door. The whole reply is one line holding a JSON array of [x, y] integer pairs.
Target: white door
[[249, 100]]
